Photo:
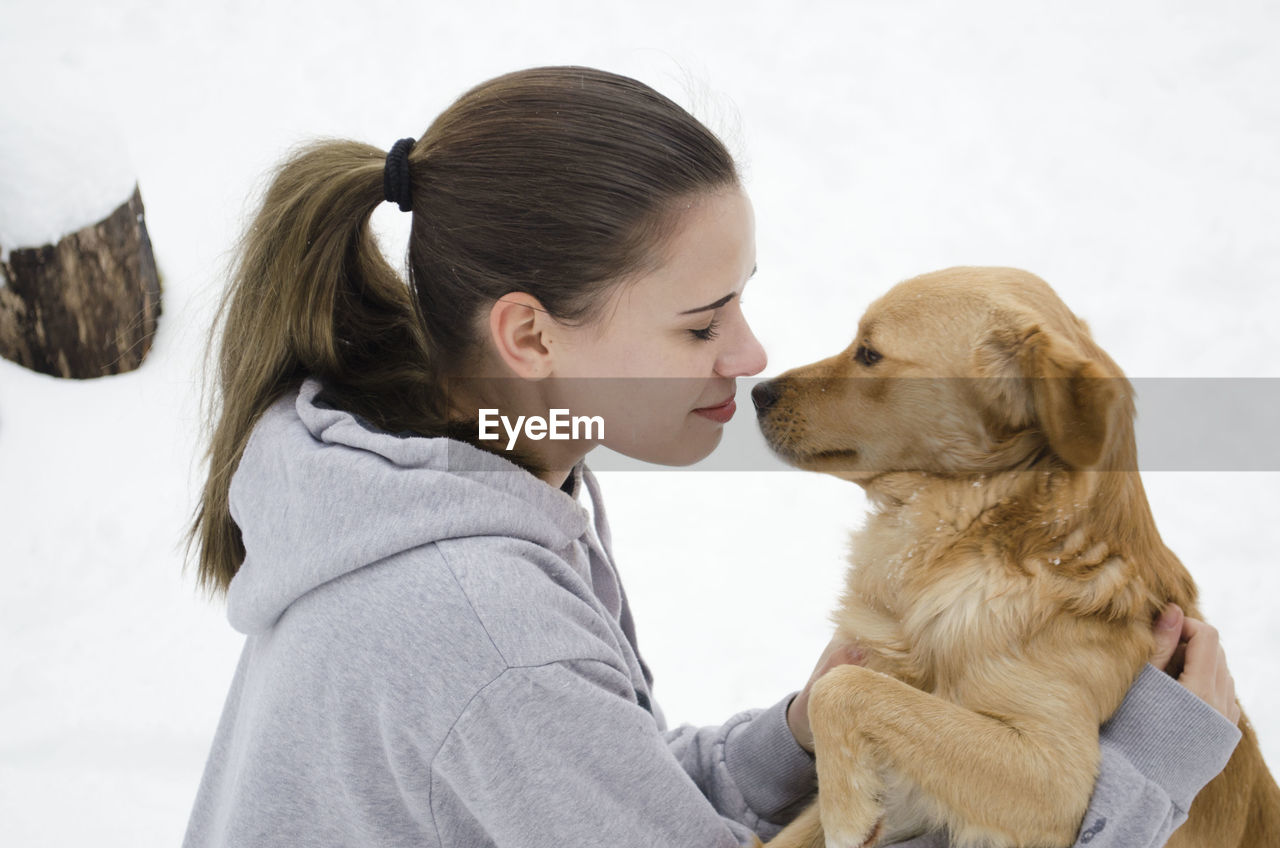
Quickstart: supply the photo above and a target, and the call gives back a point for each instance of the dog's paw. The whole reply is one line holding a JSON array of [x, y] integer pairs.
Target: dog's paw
[[854, 822], [848, 838]]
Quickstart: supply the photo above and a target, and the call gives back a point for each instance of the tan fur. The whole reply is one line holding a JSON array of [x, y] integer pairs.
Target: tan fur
[[1004, 587]]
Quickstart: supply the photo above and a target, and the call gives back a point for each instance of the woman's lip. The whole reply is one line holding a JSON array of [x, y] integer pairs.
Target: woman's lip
[[721, 405], [720, 413]]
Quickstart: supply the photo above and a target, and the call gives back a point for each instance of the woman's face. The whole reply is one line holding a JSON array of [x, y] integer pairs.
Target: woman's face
[[660, 364]]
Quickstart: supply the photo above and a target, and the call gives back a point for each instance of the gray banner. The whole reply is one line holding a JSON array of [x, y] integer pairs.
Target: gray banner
[[1181, 424]]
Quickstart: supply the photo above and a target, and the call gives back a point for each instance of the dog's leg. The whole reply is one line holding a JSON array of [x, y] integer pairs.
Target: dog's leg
[[804, 832], [849, 791], [1014, 781]]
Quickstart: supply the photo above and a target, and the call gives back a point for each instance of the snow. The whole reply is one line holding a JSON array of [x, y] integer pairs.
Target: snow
[[1126, 153], [64, 164]]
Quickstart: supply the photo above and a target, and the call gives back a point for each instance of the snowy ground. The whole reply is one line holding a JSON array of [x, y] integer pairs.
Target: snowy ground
[[1129, 153]]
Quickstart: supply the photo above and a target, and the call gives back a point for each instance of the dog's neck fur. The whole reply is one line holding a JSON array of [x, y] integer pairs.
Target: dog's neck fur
[[1039, 491], [954, 503]]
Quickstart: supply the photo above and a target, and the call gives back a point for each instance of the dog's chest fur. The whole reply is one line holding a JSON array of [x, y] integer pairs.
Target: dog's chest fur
[[930, 593]]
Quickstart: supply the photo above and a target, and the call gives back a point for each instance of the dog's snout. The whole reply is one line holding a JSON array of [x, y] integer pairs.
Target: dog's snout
[[764, 395]]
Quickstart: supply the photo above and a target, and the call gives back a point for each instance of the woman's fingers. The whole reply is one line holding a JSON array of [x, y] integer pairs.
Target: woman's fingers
[[1168, 631], [1227, 686], [1204, 668], [1191, 651], [1200, 666], [836, 653]]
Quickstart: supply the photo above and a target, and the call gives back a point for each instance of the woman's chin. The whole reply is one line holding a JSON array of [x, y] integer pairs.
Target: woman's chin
[[693, 445]]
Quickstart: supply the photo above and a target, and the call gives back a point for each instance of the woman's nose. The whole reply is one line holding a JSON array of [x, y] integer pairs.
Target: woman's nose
[[743, 356]]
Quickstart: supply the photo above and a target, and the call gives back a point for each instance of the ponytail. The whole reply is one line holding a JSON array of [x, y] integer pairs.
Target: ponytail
[[311, 294]]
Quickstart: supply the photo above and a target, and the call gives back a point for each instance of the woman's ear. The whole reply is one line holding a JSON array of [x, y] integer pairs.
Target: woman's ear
[[518, 328]]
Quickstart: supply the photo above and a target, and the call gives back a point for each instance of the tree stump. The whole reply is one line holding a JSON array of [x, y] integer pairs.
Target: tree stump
[[87, 306]]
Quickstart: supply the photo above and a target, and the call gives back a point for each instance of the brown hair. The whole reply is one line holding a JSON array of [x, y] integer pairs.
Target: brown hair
[[560, 182]]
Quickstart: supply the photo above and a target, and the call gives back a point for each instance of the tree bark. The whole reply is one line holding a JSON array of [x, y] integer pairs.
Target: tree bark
[[86, 307]]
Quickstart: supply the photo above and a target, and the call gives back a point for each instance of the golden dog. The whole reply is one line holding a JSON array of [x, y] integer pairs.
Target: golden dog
[[1004, 587]]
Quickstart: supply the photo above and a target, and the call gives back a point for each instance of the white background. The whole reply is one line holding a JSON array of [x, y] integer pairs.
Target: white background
[[1129, 153]]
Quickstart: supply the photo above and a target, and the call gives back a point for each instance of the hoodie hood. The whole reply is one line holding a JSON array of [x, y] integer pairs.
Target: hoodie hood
[[319, 493]]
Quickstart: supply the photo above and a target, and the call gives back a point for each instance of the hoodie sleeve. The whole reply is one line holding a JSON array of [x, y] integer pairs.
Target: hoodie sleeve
[[1159, 749], [560, 754], [751, 768]]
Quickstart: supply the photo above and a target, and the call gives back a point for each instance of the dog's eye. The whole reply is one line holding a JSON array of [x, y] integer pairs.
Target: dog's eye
[[867, 356]]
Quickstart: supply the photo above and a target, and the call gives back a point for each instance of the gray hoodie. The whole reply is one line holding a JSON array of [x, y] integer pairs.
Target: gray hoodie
[[439, 652]]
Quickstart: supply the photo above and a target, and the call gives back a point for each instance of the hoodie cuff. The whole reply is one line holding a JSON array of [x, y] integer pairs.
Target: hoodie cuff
[[768, 765], [1171, 736]]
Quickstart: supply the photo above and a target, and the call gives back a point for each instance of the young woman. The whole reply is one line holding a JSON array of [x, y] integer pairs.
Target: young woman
[[440, 650]]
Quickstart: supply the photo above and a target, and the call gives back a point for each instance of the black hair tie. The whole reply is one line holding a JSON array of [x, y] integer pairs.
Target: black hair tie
[[395, 175]]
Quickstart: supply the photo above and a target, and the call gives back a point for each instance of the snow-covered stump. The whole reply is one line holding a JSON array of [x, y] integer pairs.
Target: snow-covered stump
[[87, 306], [79, 292]]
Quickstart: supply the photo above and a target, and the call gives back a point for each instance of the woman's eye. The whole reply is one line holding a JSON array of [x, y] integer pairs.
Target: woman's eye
[[867, 356], [707, 333]]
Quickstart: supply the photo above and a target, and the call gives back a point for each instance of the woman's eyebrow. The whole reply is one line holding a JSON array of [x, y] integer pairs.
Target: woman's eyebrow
[[722, 301], [719, 303]]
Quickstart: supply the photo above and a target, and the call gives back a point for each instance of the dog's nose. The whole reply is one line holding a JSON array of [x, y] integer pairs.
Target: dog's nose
[[764, 395]]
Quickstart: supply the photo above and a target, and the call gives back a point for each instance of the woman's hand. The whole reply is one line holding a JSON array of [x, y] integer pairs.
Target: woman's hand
[[1189, 651], [837, 653]]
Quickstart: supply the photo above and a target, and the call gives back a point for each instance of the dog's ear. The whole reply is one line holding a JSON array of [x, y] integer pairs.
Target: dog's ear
[[1077, 404], [1036, 375]]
